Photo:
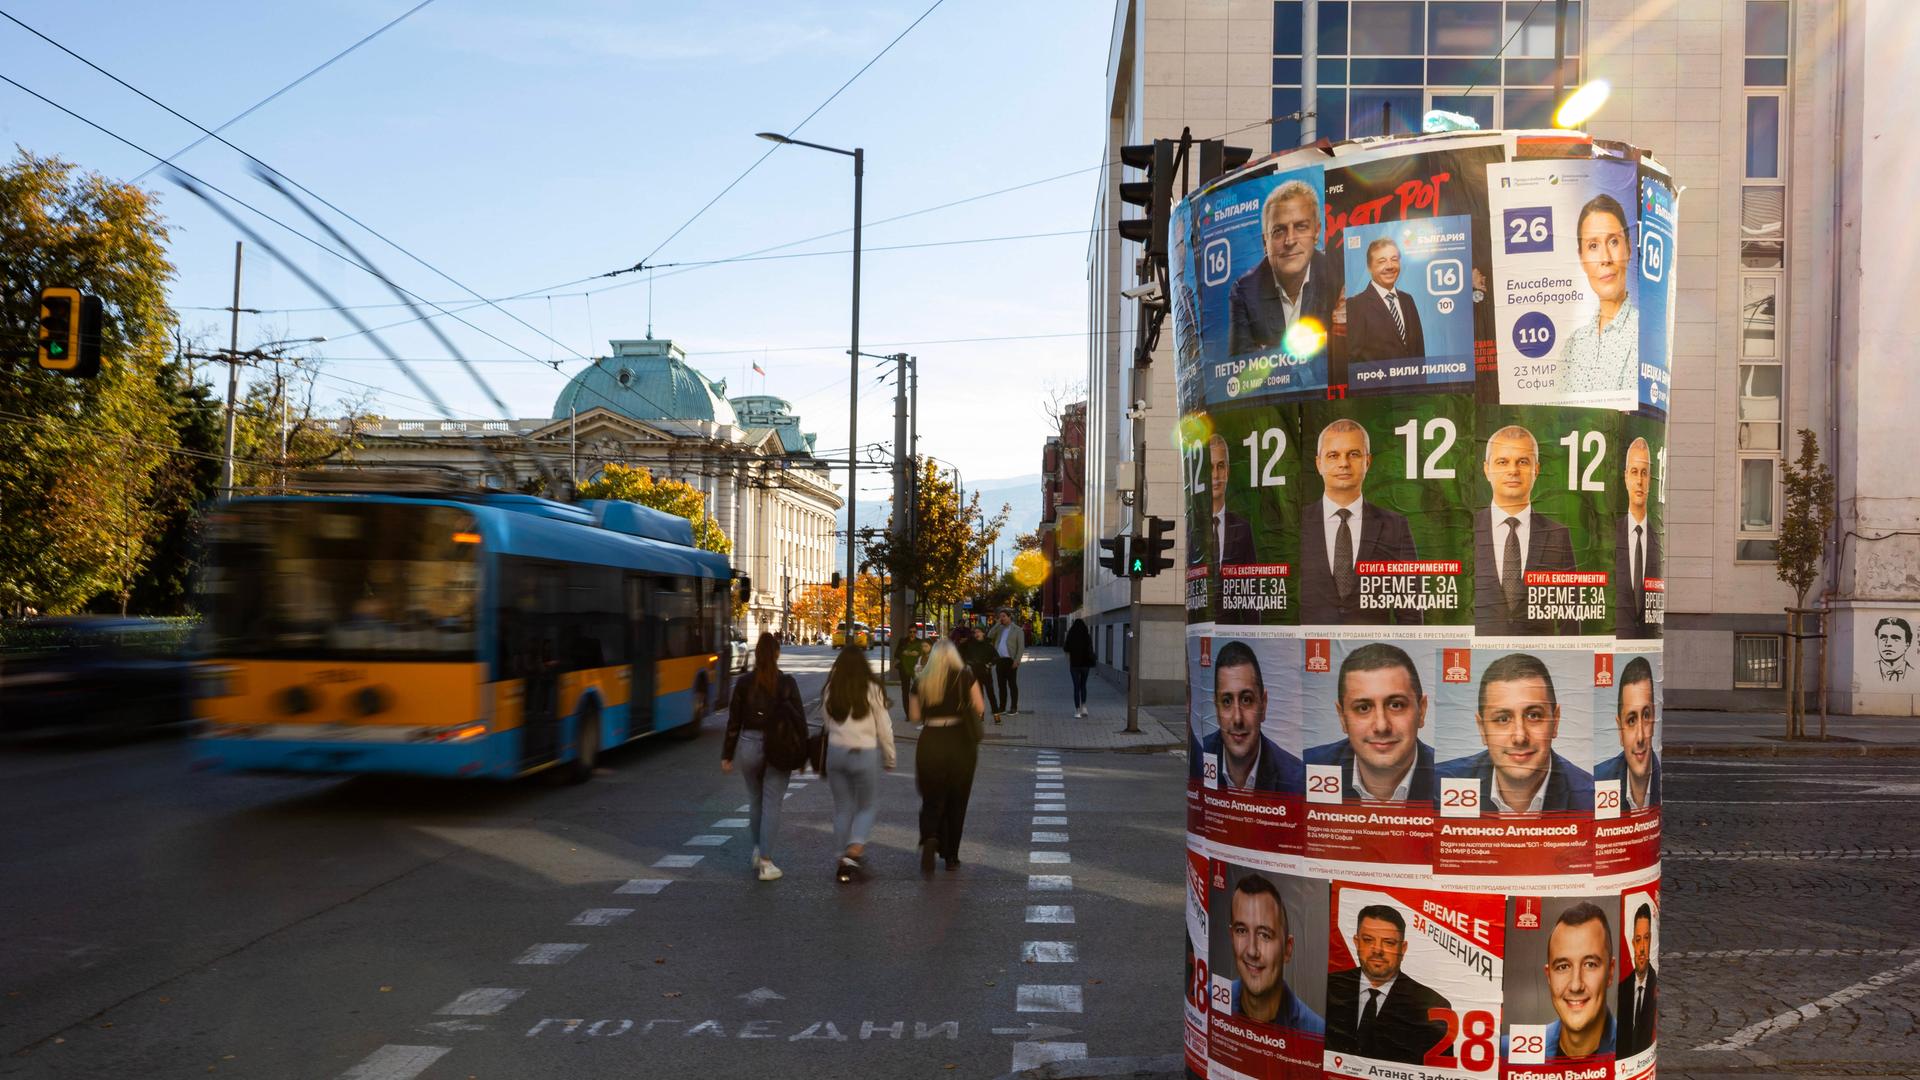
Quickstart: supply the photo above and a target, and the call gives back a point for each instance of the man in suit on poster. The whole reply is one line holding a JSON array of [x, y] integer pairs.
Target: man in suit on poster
[[1341, 529], [1376, 1010], [1639, 993], [1636, 549], [1383, 323], [1636, 765], [1510, 539], [1295, 280]]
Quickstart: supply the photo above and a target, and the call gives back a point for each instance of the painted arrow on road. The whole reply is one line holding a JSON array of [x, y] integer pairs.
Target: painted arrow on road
[[761, 996], [1034, 1031]]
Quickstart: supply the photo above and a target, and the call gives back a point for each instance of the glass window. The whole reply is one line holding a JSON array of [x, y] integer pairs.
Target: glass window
[[1534, 21], [1756, 657], [1763, 212], [1766, 73], [1333, 72], [1529, 109], [1763, 137], [1757, 319], [1332, 116], [1766, 27], [1760, 436], [1478, 106], [1391, 72], [1755, 551], [1463, 28], [1286, 71], [1756, 494], [1762, 254], [1388, 27], [1333, 28], [1379, 111], [1446, 71], [1540, 73], [1286, 28]]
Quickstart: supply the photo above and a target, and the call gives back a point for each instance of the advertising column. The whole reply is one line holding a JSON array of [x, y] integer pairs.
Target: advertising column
[[1423, 385]]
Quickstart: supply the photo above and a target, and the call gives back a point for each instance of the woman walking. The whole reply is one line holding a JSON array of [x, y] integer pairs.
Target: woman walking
[[978, 658], [1079, 663], [948, 705], [859, 744], [767, 726]]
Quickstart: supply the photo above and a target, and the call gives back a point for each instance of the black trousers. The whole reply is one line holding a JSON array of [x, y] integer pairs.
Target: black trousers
[[1009, 673], [943, 768], [983, 675]]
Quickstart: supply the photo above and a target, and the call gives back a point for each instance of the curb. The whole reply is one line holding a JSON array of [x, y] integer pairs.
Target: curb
[[1791, 750]]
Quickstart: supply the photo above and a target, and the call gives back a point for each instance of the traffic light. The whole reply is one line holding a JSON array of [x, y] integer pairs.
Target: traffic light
[[1158, 549], [1154, 195], [1113, 554], [836, 579], [69, 332], [1218, 159]]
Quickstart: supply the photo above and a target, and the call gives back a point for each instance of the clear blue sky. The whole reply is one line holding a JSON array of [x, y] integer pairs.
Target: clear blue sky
[[517, 149]]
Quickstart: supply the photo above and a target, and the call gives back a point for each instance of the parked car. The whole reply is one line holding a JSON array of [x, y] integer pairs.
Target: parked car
[[862, 636], [93, 675]]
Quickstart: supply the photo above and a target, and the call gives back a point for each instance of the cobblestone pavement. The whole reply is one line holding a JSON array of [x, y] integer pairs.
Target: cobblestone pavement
[[1792, 941]]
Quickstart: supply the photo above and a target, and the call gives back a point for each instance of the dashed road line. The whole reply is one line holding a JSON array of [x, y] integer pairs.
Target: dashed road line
[[729, 823], [1049, 857], [551, 952], [643, 886], [1043, 806], [1063, 999], [1049, 883], [676, 862], [396, 1063], [1049, 821], [486, 1001], [1049, 838], [1032, 1055], [1753, 1033], [1049, 913], [1049, 952], [600, 916], [707, 840]]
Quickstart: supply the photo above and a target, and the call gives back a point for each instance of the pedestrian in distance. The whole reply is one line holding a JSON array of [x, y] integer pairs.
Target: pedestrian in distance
[[912, 653], [979, 658], [1009, 648], [947, 704], [859, 743], [1080, 660], [767, 732]]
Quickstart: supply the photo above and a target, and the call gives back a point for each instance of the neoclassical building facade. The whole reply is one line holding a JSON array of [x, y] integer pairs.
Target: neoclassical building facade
[[643, 405]]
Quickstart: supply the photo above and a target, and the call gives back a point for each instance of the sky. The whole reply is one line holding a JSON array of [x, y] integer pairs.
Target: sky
[[517, 149]]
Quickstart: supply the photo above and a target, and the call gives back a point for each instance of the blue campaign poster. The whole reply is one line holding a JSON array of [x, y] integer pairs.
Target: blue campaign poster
[[1409, 304], [1659, 220]]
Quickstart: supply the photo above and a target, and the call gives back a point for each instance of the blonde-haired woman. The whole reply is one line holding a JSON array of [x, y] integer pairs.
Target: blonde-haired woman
[[947, 703]]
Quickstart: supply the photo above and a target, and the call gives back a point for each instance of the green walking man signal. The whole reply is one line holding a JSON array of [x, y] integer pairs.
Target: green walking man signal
[[1140, 556]]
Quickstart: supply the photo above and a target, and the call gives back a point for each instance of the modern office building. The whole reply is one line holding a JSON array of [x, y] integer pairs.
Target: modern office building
[[1781, 119]]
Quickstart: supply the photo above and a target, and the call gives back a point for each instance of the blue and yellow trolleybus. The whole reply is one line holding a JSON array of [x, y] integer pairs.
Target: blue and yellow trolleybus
[[453, 633]]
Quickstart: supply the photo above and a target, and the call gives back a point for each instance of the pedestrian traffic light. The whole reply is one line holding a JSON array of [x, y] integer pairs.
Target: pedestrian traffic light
[[1218, 159], [1154, 195], [1157, 552], [69, 332], [1113, 554]]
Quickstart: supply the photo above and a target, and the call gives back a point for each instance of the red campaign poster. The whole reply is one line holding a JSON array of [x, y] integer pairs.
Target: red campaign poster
[[1267, 954], [1246, 785], [1198, 980], [1413, 983], [1626, 782], [1569, 960], [1637, 997]]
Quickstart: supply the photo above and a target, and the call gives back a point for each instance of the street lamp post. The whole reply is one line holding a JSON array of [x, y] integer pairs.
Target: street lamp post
[[859, 156]]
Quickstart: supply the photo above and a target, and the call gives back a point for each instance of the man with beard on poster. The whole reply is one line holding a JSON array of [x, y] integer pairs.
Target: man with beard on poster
[[1352, 529], [1579, 969], [1248, 759], [1636, 549], [1518, 719], [1638, 998], [1262, 947], [1386, 1014], [1383, 323], [1294, 281], [1510, 539], [1636, 763], [1382, 709]]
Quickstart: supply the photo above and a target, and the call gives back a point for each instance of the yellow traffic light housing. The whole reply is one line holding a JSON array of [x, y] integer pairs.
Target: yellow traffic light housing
[[69, 332]]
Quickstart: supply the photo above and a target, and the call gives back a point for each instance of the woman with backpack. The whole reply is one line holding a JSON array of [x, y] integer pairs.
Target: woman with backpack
[[767, 727], [948, 706], [859, 735]]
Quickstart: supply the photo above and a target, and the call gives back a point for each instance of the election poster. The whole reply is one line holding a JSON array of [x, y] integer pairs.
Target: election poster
[[1249, 517], [1636, 1021], [1640, 529], [1199, 983], [1268, 956], [1567, 320], [1369, 754], [1659, 223], [1543, 521], [1205, 523], [1515, 748], [1184, 306], [1408, 306], [1626, 780], [1246, 714], [1266, 286], [1561, 984], [1414, 982], [1385, 520]]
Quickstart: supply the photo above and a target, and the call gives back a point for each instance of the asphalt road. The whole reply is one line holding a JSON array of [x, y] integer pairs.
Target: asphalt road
[[159, 923]]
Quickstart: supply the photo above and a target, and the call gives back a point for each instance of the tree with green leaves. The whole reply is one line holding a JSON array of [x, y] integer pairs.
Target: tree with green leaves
[[80, 458], [1805, 521], [278, 430], [637, 484], [940, 557]]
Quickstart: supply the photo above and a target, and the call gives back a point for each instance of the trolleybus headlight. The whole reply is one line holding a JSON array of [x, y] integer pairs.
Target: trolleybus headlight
[[295, 700], [371, 700], [457, 733]]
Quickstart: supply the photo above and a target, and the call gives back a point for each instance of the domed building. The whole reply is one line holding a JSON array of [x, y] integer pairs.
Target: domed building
[[644, 405]]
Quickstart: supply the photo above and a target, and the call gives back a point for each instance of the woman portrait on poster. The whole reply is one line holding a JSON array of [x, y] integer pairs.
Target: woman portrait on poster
[[1603, 354]]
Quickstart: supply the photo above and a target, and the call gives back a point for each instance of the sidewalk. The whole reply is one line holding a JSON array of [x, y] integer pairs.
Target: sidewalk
[[1046, 715], [1696, 733]]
